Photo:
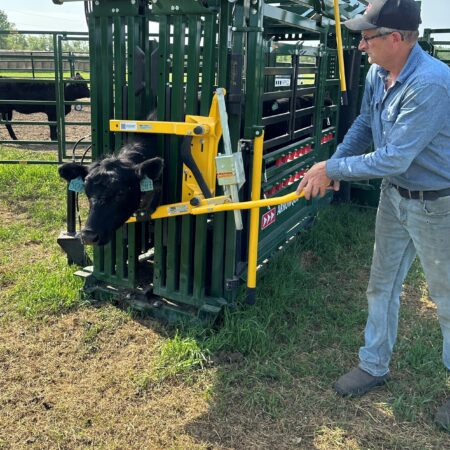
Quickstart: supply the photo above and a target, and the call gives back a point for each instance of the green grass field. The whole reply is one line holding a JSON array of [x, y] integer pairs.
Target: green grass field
[[79, 376]]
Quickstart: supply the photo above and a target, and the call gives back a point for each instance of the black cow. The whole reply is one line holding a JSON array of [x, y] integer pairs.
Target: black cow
[[113, 187], [42, 90]]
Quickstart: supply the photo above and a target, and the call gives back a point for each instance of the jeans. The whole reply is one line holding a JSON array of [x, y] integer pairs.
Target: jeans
[[403, 229]]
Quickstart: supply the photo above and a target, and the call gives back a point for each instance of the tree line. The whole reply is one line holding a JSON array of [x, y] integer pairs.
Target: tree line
[[32, 42]]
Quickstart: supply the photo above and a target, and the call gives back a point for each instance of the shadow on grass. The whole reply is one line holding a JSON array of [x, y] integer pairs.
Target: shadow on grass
[[276, 361]]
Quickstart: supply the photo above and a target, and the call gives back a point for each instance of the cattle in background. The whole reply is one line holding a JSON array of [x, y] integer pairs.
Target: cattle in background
[[113, 186], [38, 91]]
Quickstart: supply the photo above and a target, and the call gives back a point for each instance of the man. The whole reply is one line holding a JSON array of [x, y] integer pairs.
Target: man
[[406, 114]]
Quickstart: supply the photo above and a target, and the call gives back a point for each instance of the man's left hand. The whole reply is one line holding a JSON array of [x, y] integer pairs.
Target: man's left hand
[[316, 181]]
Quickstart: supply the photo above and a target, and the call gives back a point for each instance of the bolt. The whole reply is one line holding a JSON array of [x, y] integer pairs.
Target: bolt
[[133, 2], [97, 2]]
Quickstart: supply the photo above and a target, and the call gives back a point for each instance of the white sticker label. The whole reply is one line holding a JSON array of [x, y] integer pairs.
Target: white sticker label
[[171, 210], [128, 126], [145, 126], [281, 81]]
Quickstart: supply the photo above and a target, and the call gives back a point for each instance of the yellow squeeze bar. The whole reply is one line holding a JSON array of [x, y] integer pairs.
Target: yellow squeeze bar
[[340, 52]]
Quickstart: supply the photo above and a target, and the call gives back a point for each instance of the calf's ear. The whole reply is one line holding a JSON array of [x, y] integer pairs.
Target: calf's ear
[[151, 168], [70, 171]]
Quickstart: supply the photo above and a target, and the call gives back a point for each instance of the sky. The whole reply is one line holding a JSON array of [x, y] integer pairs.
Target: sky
[[45, 15]]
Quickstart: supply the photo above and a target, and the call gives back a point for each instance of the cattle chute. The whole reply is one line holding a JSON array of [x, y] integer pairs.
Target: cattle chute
[[172, 56]]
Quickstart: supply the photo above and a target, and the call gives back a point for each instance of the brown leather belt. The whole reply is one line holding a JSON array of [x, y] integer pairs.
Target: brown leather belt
[[421, 195]]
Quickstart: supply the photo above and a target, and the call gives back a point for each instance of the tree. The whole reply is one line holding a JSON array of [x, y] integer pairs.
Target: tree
[[6, 25], [32, 42]]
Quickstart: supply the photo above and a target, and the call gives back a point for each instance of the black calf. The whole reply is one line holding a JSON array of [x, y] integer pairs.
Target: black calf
[[44, 90], [113, 186]]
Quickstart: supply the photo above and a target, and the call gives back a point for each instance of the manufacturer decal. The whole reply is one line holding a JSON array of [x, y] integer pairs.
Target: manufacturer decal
[[284, 206]]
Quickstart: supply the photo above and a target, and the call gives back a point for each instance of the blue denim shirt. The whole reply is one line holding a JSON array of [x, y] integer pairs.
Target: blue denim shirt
[[409, 125]]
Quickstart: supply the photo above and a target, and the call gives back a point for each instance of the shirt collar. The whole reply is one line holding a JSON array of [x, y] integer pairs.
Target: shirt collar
[[408, 68]]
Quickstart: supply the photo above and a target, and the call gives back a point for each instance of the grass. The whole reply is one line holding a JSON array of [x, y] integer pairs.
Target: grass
[[79, 376]]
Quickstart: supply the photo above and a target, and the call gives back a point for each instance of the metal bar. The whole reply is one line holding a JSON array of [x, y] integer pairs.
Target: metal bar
[[177, 111], [254, 219], [232, 190], [186, 255], [340, 52], [208, 63], [212, 206], [295, 20], [172, 271], [59, 96], [119, 48], [27, 163], [218, 247], [193, 65], [160, 127], [29, 102], [198, 292]]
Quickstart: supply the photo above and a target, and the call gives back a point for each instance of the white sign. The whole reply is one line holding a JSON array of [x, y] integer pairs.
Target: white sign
[[281, 81]]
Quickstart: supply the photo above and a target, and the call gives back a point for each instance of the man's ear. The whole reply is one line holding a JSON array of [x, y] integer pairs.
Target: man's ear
[[70, 171], [152, 168]]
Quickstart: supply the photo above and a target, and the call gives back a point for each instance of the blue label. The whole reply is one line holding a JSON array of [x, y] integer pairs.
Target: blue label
[[76, 185], [146, 184]]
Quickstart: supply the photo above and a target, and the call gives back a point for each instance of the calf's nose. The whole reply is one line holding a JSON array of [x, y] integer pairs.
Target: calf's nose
[[89, 237]]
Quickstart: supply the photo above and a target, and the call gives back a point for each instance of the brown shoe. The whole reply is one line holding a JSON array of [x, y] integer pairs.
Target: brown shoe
[[358, 382], [442, 417]]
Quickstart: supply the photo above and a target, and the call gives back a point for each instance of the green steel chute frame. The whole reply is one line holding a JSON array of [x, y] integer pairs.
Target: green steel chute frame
[[172, 55]]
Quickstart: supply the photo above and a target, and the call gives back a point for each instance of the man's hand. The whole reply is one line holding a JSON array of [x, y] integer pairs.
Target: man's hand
[[315, 182]]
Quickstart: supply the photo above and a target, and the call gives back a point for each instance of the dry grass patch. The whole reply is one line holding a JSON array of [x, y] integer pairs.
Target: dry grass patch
[[61, 391]]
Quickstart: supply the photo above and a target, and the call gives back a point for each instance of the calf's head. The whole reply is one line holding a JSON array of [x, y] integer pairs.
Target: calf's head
[[113, 187], [74, 91]]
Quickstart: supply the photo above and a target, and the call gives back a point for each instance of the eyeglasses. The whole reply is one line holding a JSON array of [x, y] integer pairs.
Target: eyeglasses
[[366, 40]]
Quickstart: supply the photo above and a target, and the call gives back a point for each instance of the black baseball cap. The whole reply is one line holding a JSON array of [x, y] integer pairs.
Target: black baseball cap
[[395, 14]]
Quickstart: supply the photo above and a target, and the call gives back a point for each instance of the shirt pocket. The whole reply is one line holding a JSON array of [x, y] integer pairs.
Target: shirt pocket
[[388, 118]]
